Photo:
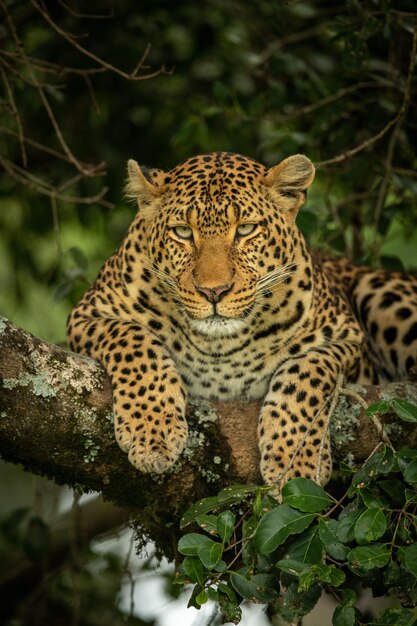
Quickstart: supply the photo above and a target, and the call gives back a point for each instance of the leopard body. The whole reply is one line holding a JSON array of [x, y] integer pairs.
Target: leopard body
[[214, 294]]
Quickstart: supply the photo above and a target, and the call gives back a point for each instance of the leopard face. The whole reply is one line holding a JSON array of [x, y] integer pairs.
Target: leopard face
[[219, 230]]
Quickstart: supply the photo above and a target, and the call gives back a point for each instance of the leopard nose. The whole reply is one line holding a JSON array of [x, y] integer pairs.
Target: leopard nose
[[214, 294]]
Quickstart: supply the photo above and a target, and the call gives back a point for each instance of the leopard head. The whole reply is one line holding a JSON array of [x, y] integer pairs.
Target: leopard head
[[220, 231]]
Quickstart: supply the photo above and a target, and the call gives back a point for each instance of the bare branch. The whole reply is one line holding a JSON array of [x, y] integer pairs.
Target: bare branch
[[395, 120], [32, 182], [108, 66], [88, 16], [15, 114], [395, 134], [311, 108]]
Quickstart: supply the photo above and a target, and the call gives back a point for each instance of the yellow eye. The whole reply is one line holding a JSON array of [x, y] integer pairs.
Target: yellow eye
[[243, 230], [183, 232]]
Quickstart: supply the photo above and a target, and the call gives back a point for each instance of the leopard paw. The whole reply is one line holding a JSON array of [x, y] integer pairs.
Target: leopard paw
[[149, 451]]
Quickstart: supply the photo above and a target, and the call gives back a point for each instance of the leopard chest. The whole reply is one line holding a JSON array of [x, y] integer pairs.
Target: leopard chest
[[226, 378], [233, 369]]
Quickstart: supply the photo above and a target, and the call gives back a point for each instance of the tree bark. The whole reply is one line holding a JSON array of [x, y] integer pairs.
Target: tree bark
[[56, 420]]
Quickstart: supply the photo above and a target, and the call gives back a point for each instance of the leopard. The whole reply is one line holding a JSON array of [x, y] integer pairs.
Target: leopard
[[214, 294]]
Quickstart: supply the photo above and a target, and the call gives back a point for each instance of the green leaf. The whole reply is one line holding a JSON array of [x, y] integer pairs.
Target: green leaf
[[410, 554], [378, 407], [373, 499], [365, 558], [410, 473], [192, 602], [410, 497], [202, 597], [235, 493], [295, 568], [79, 257], [226, 589], [210, 553], [213, 594], [405, 410], [229, 608], [208, 523], [381, 462], [296, 604], [221, 566], [278, 524], [190, 544], [37, 539], [63, 290], [307, 547], [199, 508], [394, 488], [346, 527], [225, 525], [305, 495], [193, 569], [328, 535], [344, 616], [370, 525], [347, 596], [322, 573], [11, 524], [262, 587], [407, 453], [396, 617]]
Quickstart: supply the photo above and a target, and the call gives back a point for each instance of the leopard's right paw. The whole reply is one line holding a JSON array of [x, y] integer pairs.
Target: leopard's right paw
[[152, 449]]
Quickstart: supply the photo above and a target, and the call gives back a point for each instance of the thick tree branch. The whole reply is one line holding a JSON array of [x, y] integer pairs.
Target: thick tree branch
[[56, 419]]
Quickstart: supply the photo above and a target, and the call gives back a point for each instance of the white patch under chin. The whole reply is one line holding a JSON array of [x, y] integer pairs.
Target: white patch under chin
[[217, 326]]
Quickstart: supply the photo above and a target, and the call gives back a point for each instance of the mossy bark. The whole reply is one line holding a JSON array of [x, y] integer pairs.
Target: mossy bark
[[56, 420]]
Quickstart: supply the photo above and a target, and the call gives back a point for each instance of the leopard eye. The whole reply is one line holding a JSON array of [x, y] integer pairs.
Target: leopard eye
[[183, 232], [243, 230]]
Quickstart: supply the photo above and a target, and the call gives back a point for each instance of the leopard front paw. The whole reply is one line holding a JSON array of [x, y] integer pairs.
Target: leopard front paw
[[151, 447]]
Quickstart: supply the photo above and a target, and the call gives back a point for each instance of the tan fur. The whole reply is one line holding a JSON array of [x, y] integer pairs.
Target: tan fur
[[190, 307]]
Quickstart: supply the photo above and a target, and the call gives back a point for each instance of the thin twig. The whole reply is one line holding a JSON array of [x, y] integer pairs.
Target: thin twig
[[279, 44], [71, 39], [84, 15], [49, 67], [45, 189], [37, 145], [90, 170], [401, 113], [15, 114], [57, 230], [310, 108], [395, 134]]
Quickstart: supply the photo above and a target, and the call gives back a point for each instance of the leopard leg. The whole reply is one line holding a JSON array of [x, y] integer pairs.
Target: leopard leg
[[293, 426], [149, 397]]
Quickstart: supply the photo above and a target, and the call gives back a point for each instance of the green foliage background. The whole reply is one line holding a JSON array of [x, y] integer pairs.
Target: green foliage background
[[266, 79]]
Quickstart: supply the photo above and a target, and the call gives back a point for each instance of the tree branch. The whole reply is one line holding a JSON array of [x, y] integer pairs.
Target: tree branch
[[56, 420]]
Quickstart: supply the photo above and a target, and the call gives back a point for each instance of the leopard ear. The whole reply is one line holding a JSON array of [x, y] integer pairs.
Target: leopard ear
[[290, 179], [144, 185]]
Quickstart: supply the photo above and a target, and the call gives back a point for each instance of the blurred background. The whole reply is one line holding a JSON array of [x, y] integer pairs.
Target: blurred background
[[84, 88]]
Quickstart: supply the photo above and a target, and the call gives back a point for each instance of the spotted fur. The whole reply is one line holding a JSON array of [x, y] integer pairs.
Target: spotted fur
[[214, 294]]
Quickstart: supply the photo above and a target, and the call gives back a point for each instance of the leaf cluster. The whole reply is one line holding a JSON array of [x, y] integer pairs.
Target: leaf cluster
[[247, 546]]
